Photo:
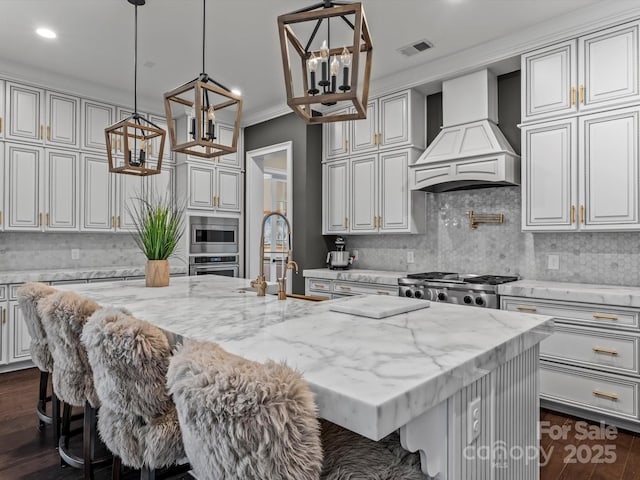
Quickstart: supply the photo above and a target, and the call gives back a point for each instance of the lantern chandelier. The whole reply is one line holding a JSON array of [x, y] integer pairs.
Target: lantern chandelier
[[197, 104], [324, 85], [132, 137]]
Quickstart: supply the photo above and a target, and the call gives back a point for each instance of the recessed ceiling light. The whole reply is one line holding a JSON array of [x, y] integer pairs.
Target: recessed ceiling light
[[236, 91], [46, 33]]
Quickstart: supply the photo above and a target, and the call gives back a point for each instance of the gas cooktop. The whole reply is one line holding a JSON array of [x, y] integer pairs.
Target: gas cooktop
[[462, 278]]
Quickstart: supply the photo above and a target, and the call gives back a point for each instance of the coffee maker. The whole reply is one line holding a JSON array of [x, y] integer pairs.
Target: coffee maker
[[339, 258]]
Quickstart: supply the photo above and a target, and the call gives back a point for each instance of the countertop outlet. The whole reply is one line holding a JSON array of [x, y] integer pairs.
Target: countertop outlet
[[553, 262]]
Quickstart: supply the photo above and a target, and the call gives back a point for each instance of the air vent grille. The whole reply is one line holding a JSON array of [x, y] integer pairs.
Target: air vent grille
[[415, 48]]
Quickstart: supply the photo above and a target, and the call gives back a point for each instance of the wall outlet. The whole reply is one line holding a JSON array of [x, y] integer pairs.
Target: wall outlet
[[75, 254], [355, 255], [410, 258], [553, 262], [474, 419]]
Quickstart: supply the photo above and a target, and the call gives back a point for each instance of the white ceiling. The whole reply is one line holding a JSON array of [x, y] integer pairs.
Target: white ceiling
[[95, 39]]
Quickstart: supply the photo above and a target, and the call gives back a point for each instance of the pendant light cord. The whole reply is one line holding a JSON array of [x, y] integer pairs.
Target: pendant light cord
[[204, 30], [135, 66]]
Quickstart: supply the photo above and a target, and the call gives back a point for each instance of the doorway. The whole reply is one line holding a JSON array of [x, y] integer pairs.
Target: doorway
[[269, 189]]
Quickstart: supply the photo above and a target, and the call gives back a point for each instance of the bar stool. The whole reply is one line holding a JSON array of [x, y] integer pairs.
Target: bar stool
[[243, 419], [138, 421], [29, 295], [63, 317]]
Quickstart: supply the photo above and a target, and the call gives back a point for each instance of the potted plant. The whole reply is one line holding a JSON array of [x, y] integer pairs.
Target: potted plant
[[159, 226]]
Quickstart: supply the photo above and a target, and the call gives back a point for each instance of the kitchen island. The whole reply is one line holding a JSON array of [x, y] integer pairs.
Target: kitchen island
[[452, 379]]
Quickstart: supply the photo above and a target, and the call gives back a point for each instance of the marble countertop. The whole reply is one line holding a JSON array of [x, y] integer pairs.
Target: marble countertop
[[370, 376], [381, 277], [574, 292], [65, 274]]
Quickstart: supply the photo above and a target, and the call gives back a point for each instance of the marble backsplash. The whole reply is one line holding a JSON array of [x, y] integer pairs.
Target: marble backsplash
[[30, 251], [450, 245]]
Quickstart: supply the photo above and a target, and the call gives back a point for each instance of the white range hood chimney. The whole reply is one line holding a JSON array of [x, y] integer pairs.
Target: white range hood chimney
[[470, 151]]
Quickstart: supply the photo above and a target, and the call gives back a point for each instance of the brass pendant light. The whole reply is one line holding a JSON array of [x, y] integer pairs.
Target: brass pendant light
[[133, 135], [332, 85], [196, 106]]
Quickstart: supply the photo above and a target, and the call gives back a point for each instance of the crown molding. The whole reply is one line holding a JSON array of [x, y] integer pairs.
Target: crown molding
[[260, 116]]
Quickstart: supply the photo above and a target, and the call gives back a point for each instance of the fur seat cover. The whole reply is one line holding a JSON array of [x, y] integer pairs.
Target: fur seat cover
[[64, 315], [137, 419], [29, 295], [242, 419]]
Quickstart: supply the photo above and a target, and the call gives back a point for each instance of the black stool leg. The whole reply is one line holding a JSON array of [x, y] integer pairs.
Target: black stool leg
[[147, 473], [88, 440], [116, 468], [65, 430], [42, 396], [55, 415]]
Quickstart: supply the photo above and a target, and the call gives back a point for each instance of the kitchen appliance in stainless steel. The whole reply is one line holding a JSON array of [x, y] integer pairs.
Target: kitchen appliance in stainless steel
[[339, 258], [473, 290], [225, 265], [213, 235]]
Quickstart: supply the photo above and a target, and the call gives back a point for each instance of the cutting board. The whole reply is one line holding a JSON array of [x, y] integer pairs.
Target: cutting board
[[377, 306]]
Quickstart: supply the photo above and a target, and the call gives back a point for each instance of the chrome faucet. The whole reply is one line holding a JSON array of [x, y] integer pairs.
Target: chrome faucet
[[260, 283]]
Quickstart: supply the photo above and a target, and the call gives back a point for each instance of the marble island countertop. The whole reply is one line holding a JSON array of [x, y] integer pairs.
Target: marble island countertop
[[380, 277], [68, 274], [371, 376], [575, 292]]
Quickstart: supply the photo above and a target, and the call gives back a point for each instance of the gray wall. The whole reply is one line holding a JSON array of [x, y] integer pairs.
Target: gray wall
[[308, 244]]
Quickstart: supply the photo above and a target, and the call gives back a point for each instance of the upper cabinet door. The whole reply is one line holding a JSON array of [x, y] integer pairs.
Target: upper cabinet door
[[96, 185], [609, 73], [95, 118], [24, 186], [225, 137], [62, 120], [24, 113], [364, 194], [3, 118], [336, 137], [364, 133], [62, 196], [130, 194], [609, 169], [155, 143], [335, 197], [549, 84], [549, 176], [394, 191], [394, 120], [228, 188], [201, 186], [2, 190], [162, 185]]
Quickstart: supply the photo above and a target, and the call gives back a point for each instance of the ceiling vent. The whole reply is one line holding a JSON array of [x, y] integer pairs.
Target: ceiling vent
[[415, 47]]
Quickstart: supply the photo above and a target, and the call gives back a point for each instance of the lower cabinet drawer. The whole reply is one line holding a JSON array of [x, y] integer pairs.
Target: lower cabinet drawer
[[612, 352], [318, 285], [318, 293], [577, 313], [349, 288], [608, 394]]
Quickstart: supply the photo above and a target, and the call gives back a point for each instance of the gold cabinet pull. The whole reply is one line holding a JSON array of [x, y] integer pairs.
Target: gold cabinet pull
[[346, 145], [0, 124], [119, 223], [0, 217], [382, 292], [610, 396], [4, 315], [47, 219], [573, 96], [40, 219], [113, 221], [582, 94], [319, 285], [605, 316], [582, 214], [344, 287], [605, 350], [41, 131], [573, 214], [380, 221], [526, 309], [48, 133]]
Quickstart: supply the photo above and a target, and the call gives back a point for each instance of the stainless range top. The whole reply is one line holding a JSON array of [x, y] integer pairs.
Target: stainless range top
[[463, 289]]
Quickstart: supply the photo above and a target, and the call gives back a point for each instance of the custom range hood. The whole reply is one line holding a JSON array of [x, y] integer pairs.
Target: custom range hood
[[470, 151]]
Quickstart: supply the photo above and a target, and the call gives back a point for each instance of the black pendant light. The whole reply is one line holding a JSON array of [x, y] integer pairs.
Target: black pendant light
[[131, 138]]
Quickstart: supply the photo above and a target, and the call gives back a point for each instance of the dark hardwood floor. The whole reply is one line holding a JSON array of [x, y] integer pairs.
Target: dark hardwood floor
[[25, 452], [28, 454]]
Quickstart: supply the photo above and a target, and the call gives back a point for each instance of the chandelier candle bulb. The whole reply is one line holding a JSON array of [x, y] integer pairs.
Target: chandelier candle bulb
[[312, 65], [346, 62], [335, 65], [324, 53]]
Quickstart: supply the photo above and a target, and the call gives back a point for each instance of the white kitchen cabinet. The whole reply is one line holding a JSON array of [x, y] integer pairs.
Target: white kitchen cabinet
[[24, 113], [213, 188], [225, 137], [3, 118], [162, 185], [400, 209], [364, 177], [4, 338], [129, 193], [550, 176], [609, 163], [2, 188], [594, 71], [19, 338], [155, 143], [97, 193], [364, 132], [336, 137], [23, 181], [335, 197], [61, 190], [96, 117], [62, 120]]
